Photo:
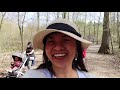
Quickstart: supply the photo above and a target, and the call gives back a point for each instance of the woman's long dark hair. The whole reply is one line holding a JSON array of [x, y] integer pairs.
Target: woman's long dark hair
[[78, 63]]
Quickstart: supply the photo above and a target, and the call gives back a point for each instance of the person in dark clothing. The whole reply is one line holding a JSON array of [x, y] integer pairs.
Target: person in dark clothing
[[31, 56]]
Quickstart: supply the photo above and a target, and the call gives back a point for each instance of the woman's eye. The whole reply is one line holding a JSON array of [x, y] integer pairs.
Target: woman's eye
[[50, 42]]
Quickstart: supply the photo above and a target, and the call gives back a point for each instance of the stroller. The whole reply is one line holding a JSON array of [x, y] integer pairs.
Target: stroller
[[15, 73]]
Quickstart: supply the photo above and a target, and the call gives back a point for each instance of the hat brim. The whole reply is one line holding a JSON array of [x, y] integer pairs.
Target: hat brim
[[38, 38]]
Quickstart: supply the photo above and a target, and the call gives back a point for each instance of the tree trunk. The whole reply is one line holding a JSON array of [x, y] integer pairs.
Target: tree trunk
[[104, 49], [119, 42], [64, 15], [68, 16], [118, 36], [3, 15], [47, 18], [38, 20], [98, 27], [111, 42], [85, 25], [58, 15], [94, 31], [21, 27]]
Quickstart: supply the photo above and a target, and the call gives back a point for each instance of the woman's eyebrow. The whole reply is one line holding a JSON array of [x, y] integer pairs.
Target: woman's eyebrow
[[50, 37]]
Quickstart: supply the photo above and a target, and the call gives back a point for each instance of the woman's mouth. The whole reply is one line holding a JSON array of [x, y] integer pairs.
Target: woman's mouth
[[59, 55]]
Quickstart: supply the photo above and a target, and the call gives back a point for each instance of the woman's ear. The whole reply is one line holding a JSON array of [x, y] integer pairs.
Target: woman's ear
[[76, 55]]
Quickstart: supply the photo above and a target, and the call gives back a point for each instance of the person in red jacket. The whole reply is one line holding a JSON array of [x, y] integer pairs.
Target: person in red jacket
[[17, 61], [15, 65]]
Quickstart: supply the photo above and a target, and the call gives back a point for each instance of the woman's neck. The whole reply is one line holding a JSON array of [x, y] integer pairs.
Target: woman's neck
[[65, 73]]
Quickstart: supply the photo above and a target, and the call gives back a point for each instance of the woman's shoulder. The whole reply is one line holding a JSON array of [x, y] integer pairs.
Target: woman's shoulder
[[37, 73], [83, 74]]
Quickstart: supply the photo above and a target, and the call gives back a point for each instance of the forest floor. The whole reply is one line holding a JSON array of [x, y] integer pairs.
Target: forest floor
[[100, 65], [103, 65]]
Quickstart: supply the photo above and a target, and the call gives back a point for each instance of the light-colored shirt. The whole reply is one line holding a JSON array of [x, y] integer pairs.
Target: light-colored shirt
[[44, 73]]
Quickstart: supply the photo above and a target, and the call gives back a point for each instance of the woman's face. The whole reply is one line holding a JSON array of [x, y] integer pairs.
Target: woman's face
[[60, 49]]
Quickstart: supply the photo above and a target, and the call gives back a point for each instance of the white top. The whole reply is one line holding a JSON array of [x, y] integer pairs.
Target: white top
[[44, 73]]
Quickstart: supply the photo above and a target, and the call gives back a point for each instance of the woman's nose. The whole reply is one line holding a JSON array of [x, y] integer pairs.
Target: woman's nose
[[59, 46]]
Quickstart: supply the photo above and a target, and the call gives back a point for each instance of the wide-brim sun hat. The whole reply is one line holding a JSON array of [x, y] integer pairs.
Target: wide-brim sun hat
[[63, 26]]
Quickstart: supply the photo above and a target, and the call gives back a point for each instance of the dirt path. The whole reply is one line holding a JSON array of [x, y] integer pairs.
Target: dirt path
[[102, 66]]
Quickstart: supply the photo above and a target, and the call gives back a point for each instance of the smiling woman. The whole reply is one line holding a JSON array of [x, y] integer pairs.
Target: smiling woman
[[62, 49]]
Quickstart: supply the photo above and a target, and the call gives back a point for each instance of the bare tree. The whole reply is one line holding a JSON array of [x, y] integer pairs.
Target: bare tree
[[118, 36], [98, 26], [94, 29], [105, 38], [74, 16], [21, 27], [85, 24], [89, 29], [111, 41], [58, 15], [47, 17], [68, 15], [113, 25], [64, 15], [38, 20], [2, 18]]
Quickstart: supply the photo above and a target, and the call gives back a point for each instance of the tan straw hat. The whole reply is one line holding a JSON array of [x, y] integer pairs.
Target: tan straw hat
[[63, 26]]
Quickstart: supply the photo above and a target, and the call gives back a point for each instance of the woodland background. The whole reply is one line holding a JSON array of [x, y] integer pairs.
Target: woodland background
[[18, 28]]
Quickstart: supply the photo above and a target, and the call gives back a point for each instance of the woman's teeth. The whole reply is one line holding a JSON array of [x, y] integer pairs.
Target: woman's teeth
[[59, 55]]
